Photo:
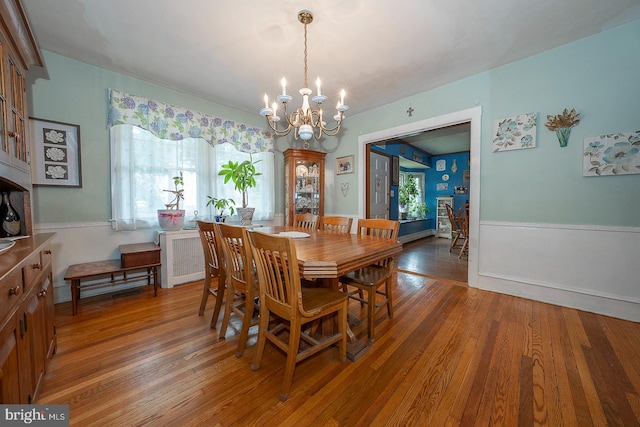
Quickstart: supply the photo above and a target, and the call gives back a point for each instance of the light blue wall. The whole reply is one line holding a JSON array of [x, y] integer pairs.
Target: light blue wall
[[74, 92], [598, 76]]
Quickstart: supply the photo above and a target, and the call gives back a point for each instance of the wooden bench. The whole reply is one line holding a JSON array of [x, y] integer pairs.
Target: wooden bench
[[133, 257]]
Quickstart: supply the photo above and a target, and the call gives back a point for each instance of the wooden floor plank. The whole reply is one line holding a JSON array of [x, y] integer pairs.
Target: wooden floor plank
[[450, 356]]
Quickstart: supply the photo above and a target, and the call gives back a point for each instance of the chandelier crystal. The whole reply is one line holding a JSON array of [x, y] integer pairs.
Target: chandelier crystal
[[305, 121]]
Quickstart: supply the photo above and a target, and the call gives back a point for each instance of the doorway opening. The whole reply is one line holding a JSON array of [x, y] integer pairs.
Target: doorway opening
[[471, 116]]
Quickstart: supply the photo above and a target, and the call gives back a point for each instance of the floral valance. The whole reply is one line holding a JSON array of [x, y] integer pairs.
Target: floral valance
[[171, 122]]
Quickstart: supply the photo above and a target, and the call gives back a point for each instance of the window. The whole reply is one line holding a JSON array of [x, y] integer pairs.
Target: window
[[143, 165], [418, 179]]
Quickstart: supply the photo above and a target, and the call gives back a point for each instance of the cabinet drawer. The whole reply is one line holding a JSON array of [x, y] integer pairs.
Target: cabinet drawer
[[10, 292], [46, 256], [32, 267]]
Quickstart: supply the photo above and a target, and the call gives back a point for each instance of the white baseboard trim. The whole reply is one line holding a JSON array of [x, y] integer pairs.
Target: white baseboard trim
[[416, 236], [607, 305]]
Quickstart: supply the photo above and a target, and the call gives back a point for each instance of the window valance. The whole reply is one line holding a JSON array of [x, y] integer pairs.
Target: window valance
[[175, 123]]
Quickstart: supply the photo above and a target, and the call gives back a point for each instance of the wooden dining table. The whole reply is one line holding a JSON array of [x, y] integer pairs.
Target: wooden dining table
[[326, 255]]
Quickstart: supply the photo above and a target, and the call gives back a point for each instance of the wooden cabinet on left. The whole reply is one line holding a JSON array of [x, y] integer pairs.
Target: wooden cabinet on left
[[27, 325]]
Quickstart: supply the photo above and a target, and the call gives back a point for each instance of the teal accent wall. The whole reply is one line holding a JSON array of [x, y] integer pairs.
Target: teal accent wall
[[598, 76]]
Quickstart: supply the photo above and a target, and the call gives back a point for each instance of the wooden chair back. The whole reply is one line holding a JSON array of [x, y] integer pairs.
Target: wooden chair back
[[339, 224], [382, 228], [208, 240], [207, 232], [453, 220], [462, 217], [241, 282], [306, 220], [379, 227], [278, 275], [238, 261]]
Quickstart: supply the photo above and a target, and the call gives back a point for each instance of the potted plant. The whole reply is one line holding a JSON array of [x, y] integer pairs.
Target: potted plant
[[420, 209], [221, 205], [408, 190], [242, 174], [172, 217]]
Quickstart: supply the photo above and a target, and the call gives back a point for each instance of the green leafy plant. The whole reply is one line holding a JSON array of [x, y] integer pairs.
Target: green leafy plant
[[242, 174], [420, 209], [177, 193], [222, 204], [408, 190]]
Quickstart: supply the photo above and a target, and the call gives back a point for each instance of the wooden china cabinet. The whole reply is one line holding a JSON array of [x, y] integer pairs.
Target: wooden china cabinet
[[27, 329], [303, 183]]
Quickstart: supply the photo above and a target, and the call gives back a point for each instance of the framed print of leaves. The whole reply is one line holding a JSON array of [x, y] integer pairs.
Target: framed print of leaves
[[515, 133], [614, 154]]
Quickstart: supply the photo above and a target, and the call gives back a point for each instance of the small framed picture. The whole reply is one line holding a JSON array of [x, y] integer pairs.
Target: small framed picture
[[344, 165], [55, 153], [395, 170]]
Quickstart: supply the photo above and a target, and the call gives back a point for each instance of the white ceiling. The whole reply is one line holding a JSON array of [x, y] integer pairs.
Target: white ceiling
[[231, 52]]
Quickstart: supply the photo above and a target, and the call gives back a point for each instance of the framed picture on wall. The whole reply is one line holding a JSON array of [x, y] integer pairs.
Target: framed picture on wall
[[344, 165], [55, 153], [395, 170]]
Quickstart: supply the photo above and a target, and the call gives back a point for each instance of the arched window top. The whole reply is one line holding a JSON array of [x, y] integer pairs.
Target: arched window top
[[172, 122]]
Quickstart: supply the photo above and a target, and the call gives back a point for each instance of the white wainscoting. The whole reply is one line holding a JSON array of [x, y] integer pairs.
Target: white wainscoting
[[591, 268], [76, 243]]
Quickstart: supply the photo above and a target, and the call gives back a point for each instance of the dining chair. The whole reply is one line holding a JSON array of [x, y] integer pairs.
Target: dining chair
[[463, 220], [242, 292], [455, 226], [375, 279], [306, 220], [281, 295], [339, 224], [207, 232]]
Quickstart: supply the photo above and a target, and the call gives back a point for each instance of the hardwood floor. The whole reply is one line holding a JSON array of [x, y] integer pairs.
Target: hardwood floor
[[431, 257], [450, 356]]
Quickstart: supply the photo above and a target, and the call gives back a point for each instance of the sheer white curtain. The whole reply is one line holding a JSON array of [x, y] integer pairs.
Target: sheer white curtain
[[143, 165]]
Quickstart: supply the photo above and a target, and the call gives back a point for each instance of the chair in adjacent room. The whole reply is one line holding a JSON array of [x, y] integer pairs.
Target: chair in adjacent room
[[242, 293], [306, 220], [462, 217], [455, 226], [281, 295], [212, 270], [339, 224], [375, 279]]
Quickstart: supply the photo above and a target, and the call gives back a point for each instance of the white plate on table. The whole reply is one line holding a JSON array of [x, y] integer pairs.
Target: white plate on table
[[294, 234], [6, 244]]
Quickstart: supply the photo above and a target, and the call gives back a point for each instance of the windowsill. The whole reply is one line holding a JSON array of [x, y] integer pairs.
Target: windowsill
[[406, 221]]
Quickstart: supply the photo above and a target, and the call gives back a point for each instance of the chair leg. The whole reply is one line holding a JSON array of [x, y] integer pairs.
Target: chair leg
[[220, 297], [292, 355], [205, 292], [388, 285], [371, 312], [246, 324], [342, 328], [228, 300], [262, 338], [465, 246], [454, 240]]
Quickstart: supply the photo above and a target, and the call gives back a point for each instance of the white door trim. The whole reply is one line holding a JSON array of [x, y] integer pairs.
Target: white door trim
[[472, 115]]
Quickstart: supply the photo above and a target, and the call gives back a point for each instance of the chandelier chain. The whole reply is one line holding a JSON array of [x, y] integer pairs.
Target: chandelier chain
[[305, 55]]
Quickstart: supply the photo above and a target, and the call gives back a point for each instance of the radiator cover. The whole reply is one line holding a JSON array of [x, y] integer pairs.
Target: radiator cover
[[182, 257]]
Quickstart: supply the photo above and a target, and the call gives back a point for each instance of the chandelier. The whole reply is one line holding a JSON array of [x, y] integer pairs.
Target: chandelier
[[305, 121]]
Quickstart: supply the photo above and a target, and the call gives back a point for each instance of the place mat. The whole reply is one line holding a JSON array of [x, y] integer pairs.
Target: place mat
[[294, 234]]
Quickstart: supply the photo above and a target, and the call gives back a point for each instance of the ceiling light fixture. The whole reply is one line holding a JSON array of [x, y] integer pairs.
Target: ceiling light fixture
[[304, 121]]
